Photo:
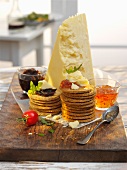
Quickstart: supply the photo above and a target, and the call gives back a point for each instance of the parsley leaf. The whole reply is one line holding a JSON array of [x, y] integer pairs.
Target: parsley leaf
[[72, 70], [43, 121], [41, 134], [51, 130]]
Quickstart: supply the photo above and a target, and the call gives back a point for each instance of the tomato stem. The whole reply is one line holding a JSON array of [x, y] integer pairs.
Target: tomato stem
[[22, 119]]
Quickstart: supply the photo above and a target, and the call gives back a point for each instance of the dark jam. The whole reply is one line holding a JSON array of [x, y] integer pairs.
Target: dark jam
[[29, 75], [46, 92]]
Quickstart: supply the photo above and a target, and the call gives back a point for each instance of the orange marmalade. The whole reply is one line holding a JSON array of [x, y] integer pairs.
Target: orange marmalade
[[105, 96]]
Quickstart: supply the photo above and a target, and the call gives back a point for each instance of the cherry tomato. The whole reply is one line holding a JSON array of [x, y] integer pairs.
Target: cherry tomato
[[31, 117]]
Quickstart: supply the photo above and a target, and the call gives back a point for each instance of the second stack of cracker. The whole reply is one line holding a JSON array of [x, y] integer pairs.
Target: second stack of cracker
[[78, 104]]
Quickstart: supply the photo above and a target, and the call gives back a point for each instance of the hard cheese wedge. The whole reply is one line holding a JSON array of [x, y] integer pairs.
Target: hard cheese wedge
[[71, 49]]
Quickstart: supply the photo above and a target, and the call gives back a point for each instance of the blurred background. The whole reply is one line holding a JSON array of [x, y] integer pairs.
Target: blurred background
[[106, 20]]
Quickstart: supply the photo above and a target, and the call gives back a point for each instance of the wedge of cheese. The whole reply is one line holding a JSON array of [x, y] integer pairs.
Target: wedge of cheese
[[71, 49]]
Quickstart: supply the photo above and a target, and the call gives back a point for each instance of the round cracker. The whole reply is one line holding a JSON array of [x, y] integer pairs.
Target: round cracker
[[86, 89], [80, 120], [74, 116], [45, 104], [44, 107], [40, 113], [78, 107], [78, 104], [80, 95], [79, 111], [46, 112], [74, 100], [43, 98], [78, 114]]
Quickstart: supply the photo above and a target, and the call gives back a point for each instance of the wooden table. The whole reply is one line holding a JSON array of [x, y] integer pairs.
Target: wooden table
[[120, 73]]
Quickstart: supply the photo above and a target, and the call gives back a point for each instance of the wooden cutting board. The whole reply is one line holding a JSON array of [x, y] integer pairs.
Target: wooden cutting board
[[109, 143]]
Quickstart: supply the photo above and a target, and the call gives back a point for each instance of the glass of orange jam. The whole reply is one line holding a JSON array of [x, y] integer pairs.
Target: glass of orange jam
[[106, 92]]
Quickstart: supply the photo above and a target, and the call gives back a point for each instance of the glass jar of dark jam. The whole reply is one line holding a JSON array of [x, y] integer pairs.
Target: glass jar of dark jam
[[27, 74]]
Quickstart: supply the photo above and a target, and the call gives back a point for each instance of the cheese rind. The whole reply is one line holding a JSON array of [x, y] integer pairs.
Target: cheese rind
[[71, 49]]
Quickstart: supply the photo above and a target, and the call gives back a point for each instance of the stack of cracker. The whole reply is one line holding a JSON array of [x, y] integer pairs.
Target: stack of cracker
[[45, 105], [78, 104]]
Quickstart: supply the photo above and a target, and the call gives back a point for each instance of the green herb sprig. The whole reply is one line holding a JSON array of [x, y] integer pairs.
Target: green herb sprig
[[48, 123], [51, 131], [45, 122], [41, 134], [73, 69], [34, 88]]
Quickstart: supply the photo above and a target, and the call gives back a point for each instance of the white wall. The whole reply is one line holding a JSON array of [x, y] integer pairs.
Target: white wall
[[107, 25], [107, 20]]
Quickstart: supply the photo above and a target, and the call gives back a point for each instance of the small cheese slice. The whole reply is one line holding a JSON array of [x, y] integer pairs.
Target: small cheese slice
[[71, 49], [56, 117], [78, 78], [74, 124], [74, 86], [46, 85], [49, 116]]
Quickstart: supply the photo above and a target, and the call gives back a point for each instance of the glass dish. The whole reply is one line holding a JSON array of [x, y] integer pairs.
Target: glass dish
[[30, 73], [106, 92]]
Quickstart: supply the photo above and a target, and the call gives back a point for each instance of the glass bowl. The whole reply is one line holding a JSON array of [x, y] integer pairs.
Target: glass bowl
[[30, 73], [106, 92]]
